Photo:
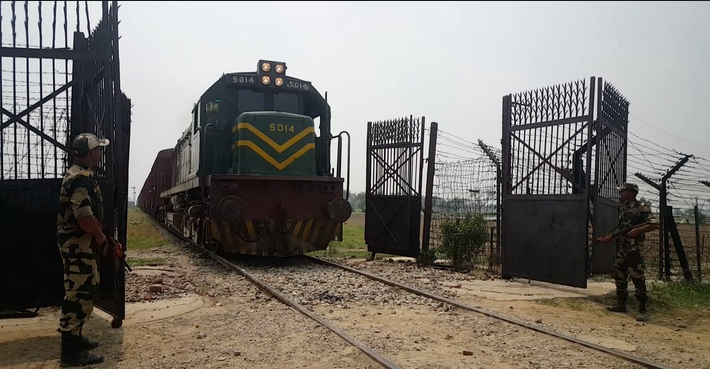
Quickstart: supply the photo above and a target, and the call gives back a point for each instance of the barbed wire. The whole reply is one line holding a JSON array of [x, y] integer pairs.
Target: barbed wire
[[465, 182]]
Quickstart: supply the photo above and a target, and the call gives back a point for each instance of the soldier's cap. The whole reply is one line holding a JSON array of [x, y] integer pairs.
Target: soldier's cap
[[87, 141], [629, 186]]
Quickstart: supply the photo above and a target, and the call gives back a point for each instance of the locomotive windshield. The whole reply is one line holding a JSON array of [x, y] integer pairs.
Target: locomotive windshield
[[249, 100], [287, 103]]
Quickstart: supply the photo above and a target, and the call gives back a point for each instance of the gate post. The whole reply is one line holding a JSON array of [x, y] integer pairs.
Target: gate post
[[504, 183], [428, 201]]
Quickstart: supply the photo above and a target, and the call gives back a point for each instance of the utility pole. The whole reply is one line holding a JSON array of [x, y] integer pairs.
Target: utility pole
[[134, 195]]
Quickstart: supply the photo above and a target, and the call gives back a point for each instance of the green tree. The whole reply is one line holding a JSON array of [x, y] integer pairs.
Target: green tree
[[357, 200]]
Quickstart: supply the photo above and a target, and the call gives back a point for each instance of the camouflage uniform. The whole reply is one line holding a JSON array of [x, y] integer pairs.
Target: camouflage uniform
[[629, 254], [80, 196]]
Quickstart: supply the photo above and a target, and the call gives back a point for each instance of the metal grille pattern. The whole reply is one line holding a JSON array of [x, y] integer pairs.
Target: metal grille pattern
[[97, 101], [52, 89], [557, 102], [611, 150], [393, 185], [34, 94], [546, 128], [395, 152]]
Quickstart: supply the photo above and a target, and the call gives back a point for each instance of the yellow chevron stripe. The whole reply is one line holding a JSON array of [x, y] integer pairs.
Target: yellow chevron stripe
[[328, 231], [228, 233], [298, 228], [307, 230], [250, 229], [314, 238], [279, 148], [270, 159]]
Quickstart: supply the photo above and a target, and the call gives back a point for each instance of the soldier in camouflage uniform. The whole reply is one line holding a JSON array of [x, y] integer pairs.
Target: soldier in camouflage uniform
[[79, 235], [629, 249]]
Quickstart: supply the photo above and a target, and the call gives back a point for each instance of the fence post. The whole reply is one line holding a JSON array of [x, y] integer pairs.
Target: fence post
[[499, 179], [697, 241], [660, 220], [428, 201], [669, 216]]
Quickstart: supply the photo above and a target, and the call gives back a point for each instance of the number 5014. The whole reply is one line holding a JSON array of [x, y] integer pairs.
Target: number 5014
[[280, 127]]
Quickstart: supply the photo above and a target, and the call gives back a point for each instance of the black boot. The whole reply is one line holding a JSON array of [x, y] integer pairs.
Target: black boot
[[85, 343], [620, 306], [643, 314], [74, 355]]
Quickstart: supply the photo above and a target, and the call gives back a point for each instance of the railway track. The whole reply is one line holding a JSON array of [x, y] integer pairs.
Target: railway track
[[272, 286]]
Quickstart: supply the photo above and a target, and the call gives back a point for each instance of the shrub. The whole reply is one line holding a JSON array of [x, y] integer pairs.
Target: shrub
[[463, 239], [426, 257]]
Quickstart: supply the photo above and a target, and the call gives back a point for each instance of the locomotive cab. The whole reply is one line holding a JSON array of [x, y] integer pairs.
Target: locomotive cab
[[251, 175]]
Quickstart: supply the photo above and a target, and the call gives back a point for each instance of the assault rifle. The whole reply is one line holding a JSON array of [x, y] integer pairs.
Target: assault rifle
[[112, 244], [622, 231]]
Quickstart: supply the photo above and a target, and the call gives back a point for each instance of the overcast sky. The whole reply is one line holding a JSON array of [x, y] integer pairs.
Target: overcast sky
[[451, 62]]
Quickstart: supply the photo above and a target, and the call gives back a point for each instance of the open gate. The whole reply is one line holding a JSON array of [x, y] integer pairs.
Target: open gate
[[551, 198], [394, 185], [610, 172], [54, 87], [545, 197]]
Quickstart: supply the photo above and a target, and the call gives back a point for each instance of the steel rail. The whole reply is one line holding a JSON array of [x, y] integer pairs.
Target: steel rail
[[283, 298], [619, 354], [378, 358]]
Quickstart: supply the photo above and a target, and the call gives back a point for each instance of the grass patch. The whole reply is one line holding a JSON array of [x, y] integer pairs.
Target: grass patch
[[141, 233], [145, 261], [680, 295], [666, 301], [550, 302], [573, 303], [353, 244]]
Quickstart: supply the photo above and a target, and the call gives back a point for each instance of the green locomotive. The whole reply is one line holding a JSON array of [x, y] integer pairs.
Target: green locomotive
[[252, 173]]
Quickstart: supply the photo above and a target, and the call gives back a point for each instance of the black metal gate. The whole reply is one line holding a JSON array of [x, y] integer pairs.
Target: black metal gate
[[610, 171], [53, 88], [545, 195], [393, 186]]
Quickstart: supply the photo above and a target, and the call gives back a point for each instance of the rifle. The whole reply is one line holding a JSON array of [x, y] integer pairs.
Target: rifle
[[622, 231], [117, 251]]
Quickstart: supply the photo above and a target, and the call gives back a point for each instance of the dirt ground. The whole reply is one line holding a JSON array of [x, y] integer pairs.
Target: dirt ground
[[208, 317], [679, 340], [222, 321]]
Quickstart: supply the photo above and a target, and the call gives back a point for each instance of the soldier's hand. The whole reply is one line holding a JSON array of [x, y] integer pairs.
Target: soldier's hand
[[117, 249], [101, 239]]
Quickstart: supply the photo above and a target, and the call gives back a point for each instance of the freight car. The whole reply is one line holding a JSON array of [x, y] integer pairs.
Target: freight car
[[252, 173], [159, 179]]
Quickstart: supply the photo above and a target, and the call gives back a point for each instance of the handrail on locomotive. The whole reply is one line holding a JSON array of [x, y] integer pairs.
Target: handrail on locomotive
[[339, 160]]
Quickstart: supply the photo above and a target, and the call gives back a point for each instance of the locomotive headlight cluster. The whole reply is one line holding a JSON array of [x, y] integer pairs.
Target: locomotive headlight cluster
[[272, 71]]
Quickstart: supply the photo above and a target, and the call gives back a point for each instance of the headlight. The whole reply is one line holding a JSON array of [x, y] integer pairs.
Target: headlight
[[279, 68], [265, 67], [279, 81], [265, 80]]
